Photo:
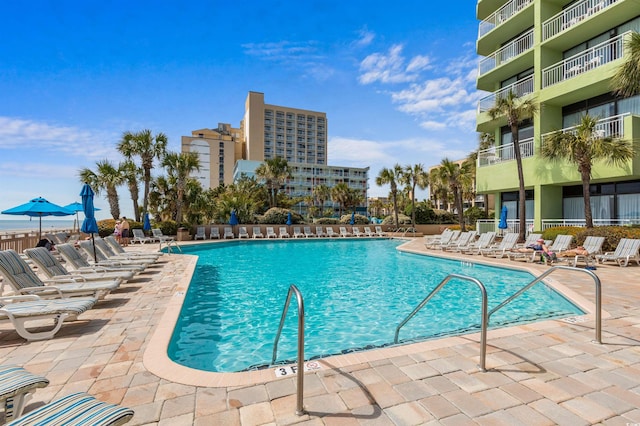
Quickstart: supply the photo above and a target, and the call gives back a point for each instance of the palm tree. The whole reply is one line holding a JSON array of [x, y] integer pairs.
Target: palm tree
[[516, 110], [391, 177], [340, 196], [148, 147], [582, 147], [274, 172], [626, 80], [486, 141], [130, 174], [322, 193], [455, 177], [438, 190], [107, 177], [376, 205], [162, 199], [179, 166], [415, 176]]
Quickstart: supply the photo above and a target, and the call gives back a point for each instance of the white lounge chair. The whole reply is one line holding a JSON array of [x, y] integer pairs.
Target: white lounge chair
[[157, 234], [80, 264], [228, 233], [626, 251], [330, 232], [297, 232], [88, 248], [561, 243], [200, 233], [307, 232], [368, 232], [484, 241], [117, 248], [592, 245], [139, 237], [111, 254], [344, 232], [271, 233], [444, 239], [16, 388], [462, 241], [257, 233], [215, 233], [502, 249], [380, 232], [356, 231], [23, 280], [283, 232], [320, 232], [242, 232]]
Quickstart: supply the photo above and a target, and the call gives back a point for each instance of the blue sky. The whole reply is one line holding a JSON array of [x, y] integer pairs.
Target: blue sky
[[396, 80]]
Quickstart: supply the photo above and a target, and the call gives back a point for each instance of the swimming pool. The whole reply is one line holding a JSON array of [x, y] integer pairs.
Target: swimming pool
[[356, 292]]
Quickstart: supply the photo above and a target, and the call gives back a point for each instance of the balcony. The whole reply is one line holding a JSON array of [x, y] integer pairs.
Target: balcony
[[572, 16], [501, 15], [496, 155], [587, 60], [519, 88], [610, 127], [506, 53]]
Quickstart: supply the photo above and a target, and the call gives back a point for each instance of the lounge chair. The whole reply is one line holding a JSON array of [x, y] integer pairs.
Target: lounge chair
[[16, 388], [257, 233], [308, 233], [157, 234], [228, 232], [330, 232], [320, 232], [200, 233], [139, 237], [80, 264], [626, 251], [54, 271], [561, 243], [531, 239], [19, 310], [117, 248], [215, 233], [242, 232], [344, 232], [283, 232], [271, 233], [502, 249], [592, 246], [444, 239], [484, 241], [380, 232], [111, 254], [368, 232], [436, 237], [87, 247], [23, 280], [76, 409], [462, 241], [356, 232]]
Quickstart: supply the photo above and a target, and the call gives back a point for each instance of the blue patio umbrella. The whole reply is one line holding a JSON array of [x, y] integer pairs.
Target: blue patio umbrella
[[289, 221], [233, 220], [89, 224], [146, 224], [353, 219], [38, 207], [503, 218], [77, 207]]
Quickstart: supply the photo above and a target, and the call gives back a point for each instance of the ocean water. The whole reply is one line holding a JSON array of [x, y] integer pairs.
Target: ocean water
[[34, 224]]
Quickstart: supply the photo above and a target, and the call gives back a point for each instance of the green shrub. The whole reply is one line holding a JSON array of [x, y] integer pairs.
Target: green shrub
[[612, 235], [327, 221], [472, 214], [358, 219], [278, 216], [403, 219], [107, 226], [169, 227]]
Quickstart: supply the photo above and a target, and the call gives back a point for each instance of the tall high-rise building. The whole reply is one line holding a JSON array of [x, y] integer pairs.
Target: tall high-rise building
[[271, 131], [562, 55]]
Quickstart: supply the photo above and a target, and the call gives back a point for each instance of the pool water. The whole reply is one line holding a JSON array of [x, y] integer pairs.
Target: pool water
[[355, 291]]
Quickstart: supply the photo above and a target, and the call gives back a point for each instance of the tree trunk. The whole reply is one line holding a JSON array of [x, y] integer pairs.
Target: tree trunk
[[522, 213], [395, 208], [588, 215], [457, 197]]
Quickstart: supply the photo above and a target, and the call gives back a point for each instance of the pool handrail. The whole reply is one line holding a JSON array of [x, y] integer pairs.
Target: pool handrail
[[300, 370], [485, 317], [598, 291]]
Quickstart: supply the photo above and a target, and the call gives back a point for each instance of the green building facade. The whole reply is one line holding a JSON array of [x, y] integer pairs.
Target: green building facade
[[562, 54]]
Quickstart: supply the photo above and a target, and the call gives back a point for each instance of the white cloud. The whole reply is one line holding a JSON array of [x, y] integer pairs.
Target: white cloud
[[433, 125], [38, 170], [418, 63], [390, 67], [365, 39]]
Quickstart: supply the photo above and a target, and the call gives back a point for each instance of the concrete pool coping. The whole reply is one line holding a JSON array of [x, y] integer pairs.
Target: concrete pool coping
[[157, 361]]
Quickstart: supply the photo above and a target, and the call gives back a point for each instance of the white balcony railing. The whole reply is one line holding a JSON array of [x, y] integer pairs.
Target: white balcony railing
[[572, 16], [506, 53], [503, 153], [501, 15], [610, 127], [584, 61], [519, 88], [491, 225]]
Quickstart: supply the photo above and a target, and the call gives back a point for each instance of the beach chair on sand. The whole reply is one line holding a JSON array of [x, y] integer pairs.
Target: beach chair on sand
[[484, 241], [283, 232], [271, 233], [200, 233], [242, 232], [627, 250], [297, 232], [320, 232], [380, 232], [307, 232], [503, 248], [592, 245], [16, 388], [257, 233], [228, 232], [330, 232], [215, 233], [344, 232]]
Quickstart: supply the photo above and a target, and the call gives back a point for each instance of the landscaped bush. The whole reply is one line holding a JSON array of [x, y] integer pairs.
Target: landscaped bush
[[358, 219], [472, 214], [107, 226], [169, 227], [327, 221], [612, 235], [278, 216], [403, 219]]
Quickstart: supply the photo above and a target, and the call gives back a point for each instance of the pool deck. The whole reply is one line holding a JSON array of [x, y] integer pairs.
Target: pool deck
[[545, 373]]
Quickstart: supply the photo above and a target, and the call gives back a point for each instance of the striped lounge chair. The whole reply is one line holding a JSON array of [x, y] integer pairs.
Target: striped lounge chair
[[16, 388], [76, 409], [73, 258]]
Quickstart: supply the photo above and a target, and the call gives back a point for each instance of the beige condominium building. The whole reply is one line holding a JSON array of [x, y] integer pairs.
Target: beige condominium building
[[271, 131]]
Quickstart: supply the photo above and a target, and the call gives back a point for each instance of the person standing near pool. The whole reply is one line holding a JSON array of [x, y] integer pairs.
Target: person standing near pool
[[124, 230]]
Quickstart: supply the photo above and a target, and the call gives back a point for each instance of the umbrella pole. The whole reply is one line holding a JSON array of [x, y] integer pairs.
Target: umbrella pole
[[95, 256], [40, 228]]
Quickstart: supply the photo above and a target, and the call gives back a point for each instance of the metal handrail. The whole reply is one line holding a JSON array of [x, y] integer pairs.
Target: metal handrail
[[300, 371], [485, 317], [548, 272]]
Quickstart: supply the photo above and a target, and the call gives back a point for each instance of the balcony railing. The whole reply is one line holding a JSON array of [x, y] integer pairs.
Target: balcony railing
[[501, 15], [506, 53], [503, 153], [519, 88], [610, 127], [584, 61], [572, 16]]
